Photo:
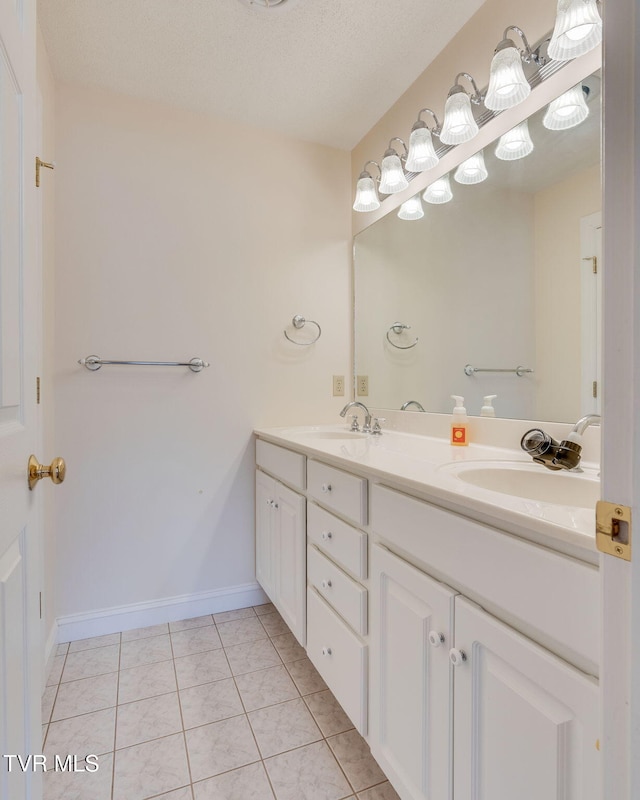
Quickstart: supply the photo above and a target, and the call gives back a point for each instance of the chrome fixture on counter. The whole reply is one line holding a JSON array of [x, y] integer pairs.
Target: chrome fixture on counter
[[558, 455], [366, 428], [415, 403]]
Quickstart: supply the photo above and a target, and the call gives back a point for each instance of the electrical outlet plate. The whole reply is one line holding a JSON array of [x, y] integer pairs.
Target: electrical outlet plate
[[362, 385], [338, 385]]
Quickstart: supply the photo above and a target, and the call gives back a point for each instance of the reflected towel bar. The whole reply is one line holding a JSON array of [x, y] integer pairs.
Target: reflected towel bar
[[95, 362], [519, 371]]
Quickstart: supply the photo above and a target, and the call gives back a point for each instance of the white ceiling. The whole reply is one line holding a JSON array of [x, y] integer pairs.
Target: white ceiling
[[319, 70]]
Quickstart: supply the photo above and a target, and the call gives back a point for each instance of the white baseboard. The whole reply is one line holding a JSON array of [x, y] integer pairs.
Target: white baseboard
[[154, 612]]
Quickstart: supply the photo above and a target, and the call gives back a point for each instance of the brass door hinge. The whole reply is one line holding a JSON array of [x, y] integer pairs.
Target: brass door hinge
[[594, 263], [613, 529], [38, 390], [39, 165]]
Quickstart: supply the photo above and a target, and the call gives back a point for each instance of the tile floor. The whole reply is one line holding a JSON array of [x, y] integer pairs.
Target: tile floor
[[222, 707]]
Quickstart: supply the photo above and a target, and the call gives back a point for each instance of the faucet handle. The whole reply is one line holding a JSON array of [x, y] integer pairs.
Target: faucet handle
[[377, 426], [354, 423]]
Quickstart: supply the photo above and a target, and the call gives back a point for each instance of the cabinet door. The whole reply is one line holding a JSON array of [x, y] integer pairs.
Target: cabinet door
[[410, 698], [526, 723], [290, 560], [265, 532]]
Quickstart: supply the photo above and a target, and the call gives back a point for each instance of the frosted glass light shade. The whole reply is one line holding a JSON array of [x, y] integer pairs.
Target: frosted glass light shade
[[411, 209], [473, 170], [459, 125], [515, 144], [366, 195], [439, 191], [422, 153], [392, 179], [507, 83], [566, 111], [578, 29]]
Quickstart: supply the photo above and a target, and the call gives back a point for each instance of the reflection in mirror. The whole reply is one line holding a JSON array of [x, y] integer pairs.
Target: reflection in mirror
[[501, 276]]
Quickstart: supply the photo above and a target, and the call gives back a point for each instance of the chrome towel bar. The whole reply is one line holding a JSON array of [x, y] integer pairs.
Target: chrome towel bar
[[519, 370], [95, 362]]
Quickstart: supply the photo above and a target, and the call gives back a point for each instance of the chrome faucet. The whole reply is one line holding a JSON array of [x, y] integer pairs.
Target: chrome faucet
[[367, 416], [415, 403], [558, 455]]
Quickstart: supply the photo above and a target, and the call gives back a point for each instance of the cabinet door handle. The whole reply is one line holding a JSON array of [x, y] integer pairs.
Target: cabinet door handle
[[275, 505], [326, 651], [326, 584], [327, 535], [269, 502], [435, 638], [457, 657], [326, 487]]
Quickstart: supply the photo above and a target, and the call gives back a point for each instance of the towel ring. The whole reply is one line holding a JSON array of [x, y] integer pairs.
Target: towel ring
[[397, 328], [299, 322]]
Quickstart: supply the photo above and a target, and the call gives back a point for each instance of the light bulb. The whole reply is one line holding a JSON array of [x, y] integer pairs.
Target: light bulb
[[515, 144], [439, 191], [459, 125], [566, 111], [508, 85], [472, 170], [366, 194], [422, 154], [392, 179], [578, 29], [411, 209]]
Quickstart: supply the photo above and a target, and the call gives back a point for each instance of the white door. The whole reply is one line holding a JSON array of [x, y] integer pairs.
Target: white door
[[20, 645], [291, 560], [411, 633], [591, 266], [526, 724]]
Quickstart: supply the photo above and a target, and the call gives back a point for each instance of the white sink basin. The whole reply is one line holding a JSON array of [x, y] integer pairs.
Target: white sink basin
[[530, 481], [333, 435]]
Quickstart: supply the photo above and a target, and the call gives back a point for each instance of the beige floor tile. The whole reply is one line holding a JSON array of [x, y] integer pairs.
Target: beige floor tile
[[220, 747], [137, 652], [265, 608], [80, 785], [57, 663], [152, 768], [238, 613], [210, 702], [88, 663], [241, 631], [145, 633], [288, 648], [148, 719], [85, 696], [93, 642], [62, 649], [48, 697], [195, 640], [283, 727], [308, 773], [328, 713], [187, 624], [177, 794], [148, 680], [306, 677], [266, 688], [252, 656], [356, 760], [383, 791], [274, 625], [246, 783], [89, 734], [202, 668]]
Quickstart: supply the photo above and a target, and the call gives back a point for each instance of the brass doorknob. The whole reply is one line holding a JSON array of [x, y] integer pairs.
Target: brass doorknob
[[36, 471]]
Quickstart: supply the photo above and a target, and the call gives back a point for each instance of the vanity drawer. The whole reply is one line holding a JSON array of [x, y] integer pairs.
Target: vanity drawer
[[346, 596], [282, 463], [340, 658], [347, 546], [344, 493]]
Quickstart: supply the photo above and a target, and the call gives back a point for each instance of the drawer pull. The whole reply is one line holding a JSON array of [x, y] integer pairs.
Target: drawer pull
[[435, 638], [326, 487], [326, 651], [457, 657], [326, 584], [327, 535]]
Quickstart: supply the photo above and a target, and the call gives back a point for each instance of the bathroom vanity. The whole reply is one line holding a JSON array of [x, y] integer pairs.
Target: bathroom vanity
[[456, 625]]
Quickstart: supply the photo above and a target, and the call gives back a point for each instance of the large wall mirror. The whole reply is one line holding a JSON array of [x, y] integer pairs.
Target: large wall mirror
[[504, 275]]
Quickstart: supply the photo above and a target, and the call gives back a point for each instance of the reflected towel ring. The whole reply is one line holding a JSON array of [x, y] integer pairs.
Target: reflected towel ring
[[299, 322], [397, 328]]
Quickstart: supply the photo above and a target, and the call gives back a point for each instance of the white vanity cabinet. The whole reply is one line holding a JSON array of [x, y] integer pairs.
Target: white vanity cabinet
[[281, 535]]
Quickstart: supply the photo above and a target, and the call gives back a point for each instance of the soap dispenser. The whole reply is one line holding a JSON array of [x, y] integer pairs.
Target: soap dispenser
[[487, 409], [459, 423]]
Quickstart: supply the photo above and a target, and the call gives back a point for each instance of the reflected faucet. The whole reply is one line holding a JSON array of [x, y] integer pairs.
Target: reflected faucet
[[366, 428], [415, 403], [558, 455]]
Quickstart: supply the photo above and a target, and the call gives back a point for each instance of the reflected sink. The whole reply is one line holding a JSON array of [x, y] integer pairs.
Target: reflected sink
[[529, 481], [333, 435]]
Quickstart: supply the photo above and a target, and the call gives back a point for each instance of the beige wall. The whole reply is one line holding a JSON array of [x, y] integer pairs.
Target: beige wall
[[168, 247], [558, 211]]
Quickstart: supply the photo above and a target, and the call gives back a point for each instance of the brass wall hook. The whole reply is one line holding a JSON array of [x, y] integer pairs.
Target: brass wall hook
[[39, 164]]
